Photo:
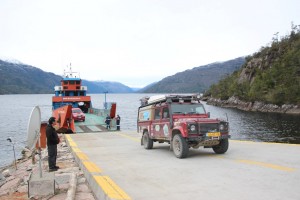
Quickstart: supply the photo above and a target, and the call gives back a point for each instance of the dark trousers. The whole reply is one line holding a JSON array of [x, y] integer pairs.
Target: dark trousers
[[108, 125], [118, 125], [52, 154]]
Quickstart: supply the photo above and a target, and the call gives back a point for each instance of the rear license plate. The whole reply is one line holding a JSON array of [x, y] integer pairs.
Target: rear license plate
[[213, 134]]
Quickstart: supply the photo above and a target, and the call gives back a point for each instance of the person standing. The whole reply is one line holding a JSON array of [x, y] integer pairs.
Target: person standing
[[118, 122], [107, 121], [52, 141]]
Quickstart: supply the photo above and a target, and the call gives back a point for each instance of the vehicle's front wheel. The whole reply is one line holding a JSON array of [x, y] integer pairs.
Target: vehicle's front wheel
[[180, 146], [147, 141], [222, 147]]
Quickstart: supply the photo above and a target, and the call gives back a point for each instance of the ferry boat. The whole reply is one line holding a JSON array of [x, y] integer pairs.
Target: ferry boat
[[71, 94]]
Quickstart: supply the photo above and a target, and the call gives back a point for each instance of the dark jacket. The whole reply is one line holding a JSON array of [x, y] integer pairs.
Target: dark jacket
[[107, 121], [118, 120], [52, 137]]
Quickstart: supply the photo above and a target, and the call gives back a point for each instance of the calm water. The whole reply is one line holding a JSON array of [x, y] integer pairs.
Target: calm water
[[15, 111]]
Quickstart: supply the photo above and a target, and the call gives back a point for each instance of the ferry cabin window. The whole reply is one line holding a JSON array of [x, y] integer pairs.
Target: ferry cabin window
[[157, 114]]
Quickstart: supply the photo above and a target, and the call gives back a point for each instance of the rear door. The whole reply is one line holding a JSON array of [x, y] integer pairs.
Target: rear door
[[157, 131], [165, 122]]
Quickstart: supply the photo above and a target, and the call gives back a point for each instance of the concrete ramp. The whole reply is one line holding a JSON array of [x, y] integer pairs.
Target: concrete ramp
[[118, 167]]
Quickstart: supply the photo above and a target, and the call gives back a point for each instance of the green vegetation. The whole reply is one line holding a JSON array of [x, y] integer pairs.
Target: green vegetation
[[271, 75]]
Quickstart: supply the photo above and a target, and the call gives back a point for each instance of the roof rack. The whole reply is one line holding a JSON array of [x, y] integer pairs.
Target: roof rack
[[169, 98]]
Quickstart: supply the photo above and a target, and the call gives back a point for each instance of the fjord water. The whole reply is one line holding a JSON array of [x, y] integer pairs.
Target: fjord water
[[254, 126]]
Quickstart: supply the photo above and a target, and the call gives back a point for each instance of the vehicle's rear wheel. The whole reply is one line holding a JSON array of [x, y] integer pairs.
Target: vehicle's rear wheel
[[222, 147], [180, 146], [147, 141]]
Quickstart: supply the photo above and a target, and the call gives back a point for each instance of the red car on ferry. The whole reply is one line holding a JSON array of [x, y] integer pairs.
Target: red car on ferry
[[78, 115]]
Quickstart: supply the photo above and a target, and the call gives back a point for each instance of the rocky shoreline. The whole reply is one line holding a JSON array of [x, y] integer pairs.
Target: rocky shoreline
[[14, 182], [234, 102]]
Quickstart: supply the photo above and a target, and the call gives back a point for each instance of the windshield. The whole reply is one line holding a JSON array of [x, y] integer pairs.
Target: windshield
[[76, 111], [187, 109]]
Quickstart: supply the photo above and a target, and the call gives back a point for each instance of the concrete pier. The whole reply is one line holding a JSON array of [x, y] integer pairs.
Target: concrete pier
[[118, 167]]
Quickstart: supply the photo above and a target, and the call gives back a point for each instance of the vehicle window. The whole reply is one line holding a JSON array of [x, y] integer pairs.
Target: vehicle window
[[166, 113], [188, 109], [144, 115], [157, 114], [200, 110]]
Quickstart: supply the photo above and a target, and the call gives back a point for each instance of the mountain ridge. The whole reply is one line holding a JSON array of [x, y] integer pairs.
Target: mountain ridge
[[19, 78], [195, 80]]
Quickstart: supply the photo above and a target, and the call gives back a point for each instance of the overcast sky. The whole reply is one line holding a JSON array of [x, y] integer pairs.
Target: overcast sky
[[137, 42]]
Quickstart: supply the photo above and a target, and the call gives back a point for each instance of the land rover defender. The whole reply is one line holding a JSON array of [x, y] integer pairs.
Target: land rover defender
[[181, 121]]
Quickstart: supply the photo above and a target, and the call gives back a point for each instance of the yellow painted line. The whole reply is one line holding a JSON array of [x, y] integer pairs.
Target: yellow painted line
[[76, 149], [111, 189], [68, 137], [72, 144], [268, 165], [91, 167], [131, 138], [82, 156]]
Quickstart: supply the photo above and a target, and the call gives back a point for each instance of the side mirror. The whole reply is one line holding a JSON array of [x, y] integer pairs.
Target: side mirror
[[208, 114]]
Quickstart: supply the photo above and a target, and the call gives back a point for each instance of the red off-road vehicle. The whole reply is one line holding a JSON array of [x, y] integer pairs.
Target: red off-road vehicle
[[181, 121]]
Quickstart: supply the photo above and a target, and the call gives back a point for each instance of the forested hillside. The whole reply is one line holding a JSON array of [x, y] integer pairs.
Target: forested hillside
[[271, 75], [197, 79], [25, 79]]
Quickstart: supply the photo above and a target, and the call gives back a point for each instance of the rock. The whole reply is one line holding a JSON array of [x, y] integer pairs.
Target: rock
[[10, 178], [2, 180], [84, 196], [11, 185], [4, 193], [61, 196], [81, 180], [83, 188], [26, 179], [68, 170], [23, 189], [21, 173], [6, 173], [235, 102], [63, 187]]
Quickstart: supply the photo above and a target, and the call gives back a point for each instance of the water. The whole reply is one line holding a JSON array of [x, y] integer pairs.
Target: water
[[255, 126]]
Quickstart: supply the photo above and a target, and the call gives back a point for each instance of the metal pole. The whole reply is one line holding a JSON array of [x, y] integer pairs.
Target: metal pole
[[40, 157], [105, 104], [10, 140], [15, 156]]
